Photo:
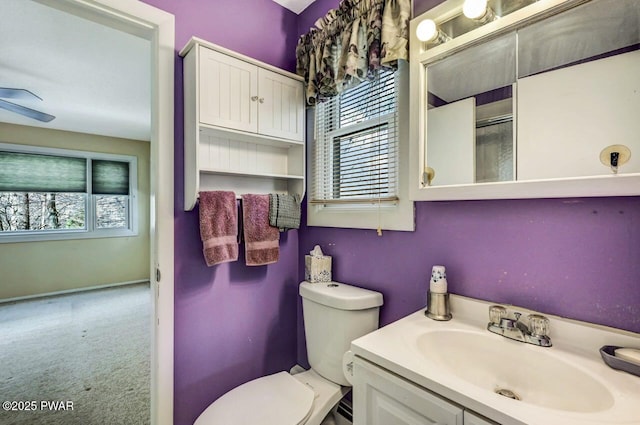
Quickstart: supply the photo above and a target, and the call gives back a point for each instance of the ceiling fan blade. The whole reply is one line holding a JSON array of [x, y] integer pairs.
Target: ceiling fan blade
[[8, 93], [27, 112]]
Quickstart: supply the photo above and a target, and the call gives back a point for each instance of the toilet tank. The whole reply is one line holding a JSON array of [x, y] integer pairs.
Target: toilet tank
[[334, 315]]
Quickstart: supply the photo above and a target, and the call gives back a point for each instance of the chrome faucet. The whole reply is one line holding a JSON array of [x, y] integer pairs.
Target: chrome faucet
[[536, 333]]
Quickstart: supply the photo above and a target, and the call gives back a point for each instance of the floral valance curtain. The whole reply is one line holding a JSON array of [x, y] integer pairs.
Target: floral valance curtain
[[351, 43]]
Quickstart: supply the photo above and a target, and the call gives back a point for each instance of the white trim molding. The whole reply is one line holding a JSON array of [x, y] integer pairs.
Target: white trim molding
[[398, 215]]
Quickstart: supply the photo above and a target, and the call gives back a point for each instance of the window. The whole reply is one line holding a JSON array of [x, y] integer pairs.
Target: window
[[356, 146], [360, 155], [60, 194], [110, 188]]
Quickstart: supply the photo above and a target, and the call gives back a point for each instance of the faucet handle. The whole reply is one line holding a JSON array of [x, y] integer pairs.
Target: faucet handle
[[496, 313], [539, 325]]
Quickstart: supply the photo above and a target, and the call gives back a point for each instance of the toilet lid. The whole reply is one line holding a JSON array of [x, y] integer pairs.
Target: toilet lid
[[277, 399]]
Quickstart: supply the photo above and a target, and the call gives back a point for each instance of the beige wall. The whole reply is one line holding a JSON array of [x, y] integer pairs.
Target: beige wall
[[30, 268]]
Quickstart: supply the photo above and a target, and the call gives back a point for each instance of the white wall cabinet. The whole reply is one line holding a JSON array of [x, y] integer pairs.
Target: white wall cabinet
[[228, 90], [244, 124], [547, 112], [382, 398]]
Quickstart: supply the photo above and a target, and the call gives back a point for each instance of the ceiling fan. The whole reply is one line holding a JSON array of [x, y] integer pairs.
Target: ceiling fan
[[8, 93]]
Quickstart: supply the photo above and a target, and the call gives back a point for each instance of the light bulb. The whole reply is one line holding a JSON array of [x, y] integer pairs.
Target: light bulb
[[426, 30], [474, 9]]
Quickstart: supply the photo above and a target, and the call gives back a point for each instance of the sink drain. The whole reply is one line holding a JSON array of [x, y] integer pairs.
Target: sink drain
[[507, 393]]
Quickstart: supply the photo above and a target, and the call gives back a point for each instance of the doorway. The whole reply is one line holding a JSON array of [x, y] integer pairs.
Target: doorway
[[156, 26]]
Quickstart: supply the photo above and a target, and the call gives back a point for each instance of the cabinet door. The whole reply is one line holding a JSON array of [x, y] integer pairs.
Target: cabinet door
[[281, 106], [473, 419], [228, 92], [451, 142], [380, 398]]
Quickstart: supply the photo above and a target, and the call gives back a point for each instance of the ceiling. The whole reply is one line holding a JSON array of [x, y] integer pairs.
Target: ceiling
[[296, 6], [93, 78]]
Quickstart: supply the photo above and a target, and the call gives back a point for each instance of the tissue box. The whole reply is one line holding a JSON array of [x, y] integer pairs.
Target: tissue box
[[317, 269]]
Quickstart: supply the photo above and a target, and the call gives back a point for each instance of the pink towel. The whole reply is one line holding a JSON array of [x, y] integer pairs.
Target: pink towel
[[261, 241], [219, 227]]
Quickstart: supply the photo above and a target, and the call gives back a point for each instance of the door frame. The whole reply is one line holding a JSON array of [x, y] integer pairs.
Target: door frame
[[158, 27]]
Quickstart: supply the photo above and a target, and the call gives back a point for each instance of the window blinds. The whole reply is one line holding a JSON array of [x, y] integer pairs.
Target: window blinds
[[355, 158], [25, 172], [109, 177]]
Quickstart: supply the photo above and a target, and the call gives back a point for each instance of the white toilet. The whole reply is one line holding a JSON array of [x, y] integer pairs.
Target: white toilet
[[334, 315]]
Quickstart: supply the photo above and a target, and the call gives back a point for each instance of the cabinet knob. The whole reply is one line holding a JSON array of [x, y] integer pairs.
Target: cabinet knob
[[261, 100], [254, 98]]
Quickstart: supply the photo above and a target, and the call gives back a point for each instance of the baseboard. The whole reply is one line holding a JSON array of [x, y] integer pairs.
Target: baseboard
[[69, 291], [297, 369]]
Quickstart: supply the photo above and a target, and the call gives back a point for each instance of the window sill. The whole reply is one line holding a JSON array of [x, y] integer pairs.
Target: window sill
[[363, 216], [66, 235]]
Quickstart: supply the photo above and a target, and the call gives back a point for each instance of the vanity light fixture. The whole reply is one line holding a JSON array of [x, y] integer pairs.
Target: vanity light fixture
[[427, 31], [478, 10]]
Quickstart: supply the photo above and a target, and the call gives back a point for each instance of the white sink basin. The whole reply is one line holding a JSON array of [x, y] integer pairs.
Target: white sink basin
[[510, 368], [460, 360]]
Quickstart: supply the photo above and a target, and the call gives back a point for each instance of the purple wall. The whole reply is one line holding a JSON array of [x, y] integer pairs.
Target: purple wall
[[232, 323], [260, 29], [313, 12], [421, 6], [577, 258]]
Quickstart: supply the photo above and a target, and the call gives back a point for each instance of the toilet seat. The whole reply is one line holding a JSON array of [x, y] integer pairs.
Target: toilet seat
[[277, 399]]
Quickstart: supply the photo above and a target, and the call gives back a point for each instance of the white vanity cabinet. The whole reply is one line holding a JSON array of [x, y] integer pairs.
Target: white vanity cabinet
[[471, 418], [382, 398], [244, 124]]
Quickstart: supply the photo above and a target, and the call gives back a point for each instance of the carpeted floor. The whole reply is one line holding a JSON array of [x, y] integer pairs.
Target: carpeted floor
[[89, 348]]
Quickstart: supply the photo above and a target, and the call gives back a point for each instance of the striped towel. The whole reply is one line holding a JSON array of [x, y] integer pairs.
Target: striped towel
[[284, 211]]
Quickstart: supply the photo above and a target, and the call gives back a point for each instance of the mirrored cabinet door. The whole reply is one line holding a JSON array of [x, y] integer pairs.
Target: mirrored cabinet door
[[579, 90]]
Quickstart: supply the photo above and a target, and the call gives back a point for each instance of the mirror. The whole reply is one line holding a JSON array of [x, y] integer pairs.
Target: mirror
[[470, 114], [529, 104]]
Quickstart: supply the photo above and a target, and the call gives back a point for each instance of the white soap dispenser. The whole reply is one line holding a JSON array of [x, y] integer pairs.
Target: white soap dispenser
[[438, 299]]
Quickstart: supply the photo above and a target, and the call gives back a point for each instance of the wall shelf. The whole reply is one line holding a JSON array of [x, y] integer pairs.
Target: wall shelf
[[244, 124], [250, 174]]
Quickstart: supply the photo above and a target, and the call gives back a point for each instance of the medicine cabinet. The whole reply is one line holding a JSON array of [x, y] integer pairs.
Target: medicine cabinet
[[535, 99], [244, 124]]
